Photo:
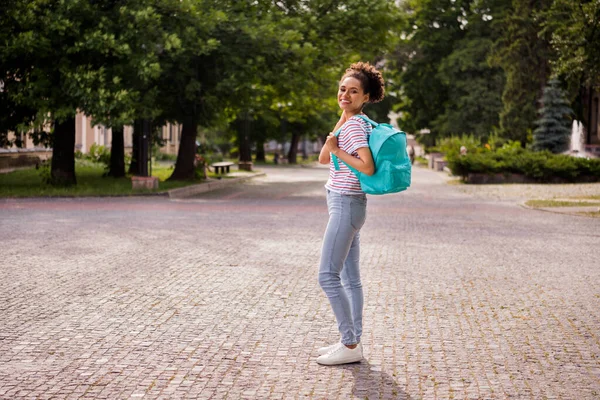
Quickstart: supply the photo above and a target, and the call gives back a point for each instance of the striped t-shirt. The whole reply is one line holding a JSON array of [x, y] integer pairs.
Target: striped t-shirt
[[354, 135]]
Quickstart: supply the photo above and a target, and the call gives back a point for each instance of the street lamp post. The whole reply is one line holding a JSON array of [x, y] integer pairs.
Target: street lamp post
[[142, 154]]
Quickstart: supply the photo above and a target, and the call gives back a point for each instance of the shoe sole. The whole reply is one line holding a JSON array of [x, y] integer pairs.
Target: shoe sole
[[340, 363], [324, 350]]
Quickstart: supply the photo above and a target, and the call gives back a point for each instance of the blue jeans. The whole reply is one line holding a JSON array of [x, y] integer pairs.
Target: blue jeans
[[339, 272]]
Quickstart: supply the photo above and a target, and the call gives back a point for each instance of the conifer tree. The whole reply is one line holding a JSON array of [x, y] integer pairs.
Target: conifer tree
[[553, 132]]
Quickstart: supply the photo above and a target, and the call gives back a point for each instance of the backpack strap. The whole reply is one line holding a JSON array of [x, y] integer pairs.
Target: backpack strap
[[367, 119], [334, 158], [337, 133]]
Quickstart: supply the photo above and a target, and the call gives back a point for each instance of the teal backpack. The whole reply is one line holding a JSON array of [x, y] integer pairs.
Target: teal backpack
[[392, 164]]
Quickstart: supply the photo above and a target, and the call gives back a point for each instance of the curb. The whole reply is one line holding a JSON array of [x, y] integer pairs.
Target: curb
[[574, 211], [215, 184]]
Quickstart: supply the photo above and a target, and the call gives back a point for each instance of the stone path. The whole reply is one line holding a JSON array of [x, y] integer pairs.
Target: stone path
[[216, 297]]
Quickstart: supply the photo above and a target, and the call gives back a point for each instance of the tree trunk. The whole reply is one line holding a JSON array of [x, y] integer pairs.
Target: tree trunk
[[260, 150], [184, 167], [134, 168], [63, 153], [304, 147], [117, 153], [244, 139], [293, 152]]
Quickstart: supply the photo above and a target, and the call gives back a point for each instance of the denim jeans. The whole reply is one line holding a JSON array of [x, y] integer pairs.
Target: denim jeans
[[339, 272]]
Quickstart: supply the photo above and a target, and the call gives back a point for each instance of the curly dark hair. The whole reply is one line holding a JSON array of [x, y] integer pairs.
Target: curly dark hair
[[370, 79]]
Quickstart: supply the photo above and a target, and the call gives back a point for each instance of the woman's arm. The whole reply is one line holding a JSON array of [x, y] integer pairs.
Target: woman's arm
[[324, 157], [363, 164]]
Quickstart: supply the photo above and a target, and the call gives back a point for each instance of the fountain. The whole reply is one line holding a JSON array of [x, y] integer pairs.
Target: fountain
[[576, 148], [576, 145]]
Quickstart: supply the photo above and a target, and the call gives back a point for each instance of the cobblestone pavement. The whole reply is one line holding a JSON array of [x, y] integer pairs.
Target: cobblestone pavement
[[216, 297], [512, 192]]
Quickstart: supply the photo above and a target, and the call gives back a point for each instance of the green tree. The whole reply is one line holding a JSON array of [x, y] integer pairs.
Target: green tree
[[14, 115], [327, 38], [64, 57], [41, 47], [523, 52], [474, 87], [444, 81], [122, 89], [553, 131], [574, 28]]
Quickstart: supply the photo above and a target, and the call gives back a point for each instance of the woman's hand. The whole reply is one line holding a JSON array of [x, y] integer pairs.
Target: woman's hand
[[332, 143]]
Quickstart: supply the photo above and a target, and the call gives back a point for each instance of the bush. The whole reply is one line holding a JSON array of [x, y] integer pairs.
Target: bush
[[164, 156], [99, 154], [540, 166], [450, 146]]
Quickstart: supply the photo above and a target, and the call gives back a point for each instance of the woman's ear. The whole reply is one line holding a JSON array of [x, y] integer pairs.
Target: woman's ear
[[366, 98]]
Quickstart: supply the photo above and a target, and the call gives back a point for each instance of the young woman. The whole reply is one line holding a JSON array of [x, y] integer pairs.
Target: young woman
[[339, 274]]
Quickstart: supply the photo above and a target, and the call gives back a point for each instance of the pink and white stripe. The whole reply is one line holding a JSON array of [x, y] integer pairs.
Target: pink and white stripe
[[354, 135]]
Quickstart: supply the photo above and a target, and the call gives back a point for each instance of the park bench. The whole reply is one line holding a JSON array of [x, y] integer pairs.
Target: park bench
[[222, 166]]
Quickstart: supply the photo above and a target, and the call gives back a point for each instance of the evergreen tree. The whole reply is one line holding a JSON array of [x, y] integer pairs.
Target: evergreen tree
[[553, 131]]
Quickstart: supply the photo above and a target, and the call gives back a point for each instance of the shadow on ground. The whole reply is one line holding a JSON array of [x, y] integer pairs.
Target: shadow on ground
[[371, 383]]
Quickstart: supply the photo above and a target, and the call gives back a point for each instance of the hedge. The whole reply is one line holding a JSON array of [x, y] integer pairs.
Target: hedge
[[539, 166]]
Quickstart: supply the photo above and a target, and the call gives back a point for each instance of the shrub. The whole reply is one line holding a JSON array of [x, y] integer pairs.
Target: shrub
[[159, 156], [541, 166], [450, 146], [99, 154]]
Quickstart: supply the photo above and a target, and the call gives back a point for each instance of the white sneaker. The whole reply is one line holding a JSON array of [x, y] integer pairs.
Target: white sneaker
[[327, 349], [341, 354]]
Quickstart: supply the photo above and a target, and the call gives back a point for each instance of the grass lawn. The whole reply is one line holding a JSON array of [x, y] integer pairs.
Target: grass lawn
[[269, 160], [90, 182], [561, 203], [595, 214]]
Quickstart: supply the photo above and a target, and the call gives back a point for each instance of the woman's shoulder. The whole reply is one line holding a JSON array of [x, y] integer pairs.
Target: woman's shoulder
[[354, 122], [355, 125]]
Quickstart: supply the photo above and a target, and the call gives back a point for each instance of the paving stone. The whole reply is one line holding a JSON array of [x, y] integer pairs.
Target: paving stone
[[467, 296]]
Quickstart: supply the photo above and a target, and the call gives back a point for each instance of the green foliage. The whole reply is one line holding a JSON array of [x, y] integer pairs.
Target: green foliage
[[523, 52], [44, 172], [479, 67], [445, 82], [574, 29], [541, 166], [450, 146], [90, 182], [98, 154], [553, 131], [164, 156]]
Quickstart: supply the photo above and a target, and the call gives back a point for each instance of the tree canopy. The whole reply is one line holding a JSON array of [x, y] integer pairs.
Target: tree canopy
[[269, 69]]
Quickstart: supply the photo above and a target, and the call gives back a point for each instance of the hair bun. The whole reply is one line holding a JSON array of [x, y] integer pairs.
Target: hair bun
[[371, 79]]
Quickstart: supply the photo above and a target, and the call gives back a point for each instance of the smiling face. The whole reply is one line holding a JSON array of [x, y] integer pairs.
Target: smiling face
[[351, 96]]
